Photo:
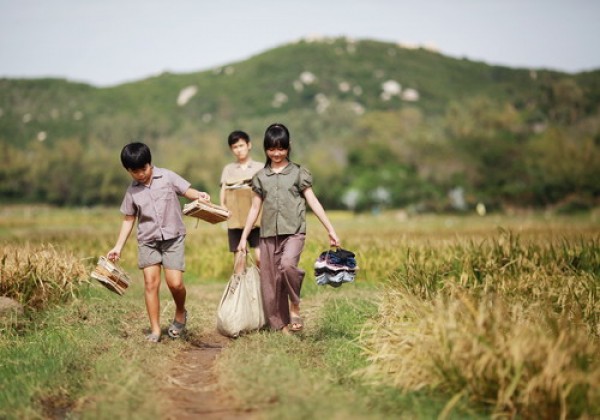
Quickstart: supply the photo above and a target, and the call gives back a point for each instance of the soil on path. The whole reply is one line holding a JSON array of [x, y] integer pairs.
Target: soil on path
[[192, 385]]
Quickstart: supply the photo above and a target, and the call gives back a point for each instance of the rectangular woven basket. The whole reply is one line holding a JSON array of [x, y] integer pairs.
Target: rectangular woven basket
[[206, 211]]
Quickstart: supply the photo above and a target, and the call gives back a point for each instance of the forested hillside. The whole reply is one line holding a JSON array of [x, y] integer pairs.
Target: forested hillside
[[379, 125]]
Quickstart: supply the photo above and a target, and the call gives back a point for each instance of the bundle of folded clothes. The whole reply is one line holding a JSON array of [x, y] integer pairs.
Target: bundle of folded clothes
[[335, 267]]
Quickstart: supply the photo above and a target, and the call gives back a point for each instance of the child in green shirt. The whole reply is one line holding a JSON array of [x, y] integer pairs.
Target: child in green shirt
[[282, 188]]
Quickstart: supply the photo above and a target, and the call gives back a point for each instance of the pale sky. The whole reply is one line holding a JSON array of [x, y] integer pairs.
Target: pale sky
[[107, 42]]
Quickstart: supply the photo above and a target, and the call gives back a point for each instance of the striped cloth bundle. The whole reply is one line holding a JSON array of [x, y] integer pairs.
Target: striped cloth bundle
[[335, 267]]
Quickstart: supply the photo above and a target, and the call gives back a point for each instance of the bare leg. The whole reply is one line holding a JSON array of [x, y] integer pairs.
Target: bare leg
[[257, 256], [174, 279], [294, 309], [151, 295]]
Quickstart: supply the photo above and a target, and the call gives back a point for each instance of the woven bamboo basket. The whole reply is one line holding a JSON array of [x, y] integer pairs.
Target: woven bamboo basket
[[206, 211], [111, 276]]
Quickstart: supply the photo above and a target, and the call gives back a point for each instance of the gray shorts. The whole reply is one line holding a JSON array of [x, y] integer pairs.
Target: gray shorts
[[169, 253]]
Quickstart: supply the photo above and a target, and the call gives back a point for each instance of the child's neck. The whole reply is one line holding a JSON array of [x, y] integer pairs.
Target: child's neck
[[150, 177], [244, 162], [278, 167]]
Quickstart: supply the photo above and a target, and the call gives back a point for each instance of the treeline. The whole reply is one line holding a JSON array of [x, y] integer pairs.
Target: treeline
[[477, 152], [448, 135]]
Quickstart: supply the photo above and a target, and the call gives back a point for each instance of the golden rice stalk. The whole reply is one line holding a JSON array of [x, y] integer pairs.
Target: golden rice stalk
[[36, 276], [521, 359]]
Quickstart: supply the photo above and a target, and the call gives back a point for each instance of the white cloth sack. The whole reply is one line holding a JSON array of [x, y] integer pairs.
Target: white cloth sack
[[241, 306]]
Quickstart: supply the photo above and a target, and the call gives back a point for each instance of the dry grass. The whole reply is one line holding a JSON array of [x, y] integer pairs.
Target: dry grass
[[38, 275], [506, 323]]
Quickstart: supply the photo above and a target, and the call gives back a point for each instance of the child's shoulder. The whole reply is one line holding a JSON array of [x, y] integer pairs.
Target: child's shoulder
[[167, 171], [168, 175], [255, 165], [301, 168], [294, 166], [229, 166], [161, 171], [261, 171]]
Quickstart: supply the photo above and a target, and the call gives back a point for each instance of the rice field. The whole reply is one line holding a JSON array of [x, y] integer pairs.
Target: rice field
[[495, 316], [507, 322]]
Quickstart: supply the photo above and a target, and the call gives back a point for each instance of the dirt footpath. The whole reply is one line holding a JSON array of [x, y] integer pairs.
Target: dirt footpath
[[192, 384]]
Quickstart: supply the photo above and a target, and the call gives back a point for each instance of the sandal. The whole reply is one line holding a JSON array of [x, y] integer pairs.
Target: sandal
[[176, 328], [296, 323], [153, 338]]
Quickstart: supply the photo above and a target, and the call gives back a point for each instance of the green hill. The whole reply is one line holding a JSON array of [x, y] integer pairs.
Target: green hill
[[365, 115]]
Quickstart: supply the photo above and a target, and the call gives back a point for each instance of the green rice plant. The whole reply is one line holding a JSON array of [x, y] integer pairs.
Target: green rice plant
[[40, 275], [508, 323]]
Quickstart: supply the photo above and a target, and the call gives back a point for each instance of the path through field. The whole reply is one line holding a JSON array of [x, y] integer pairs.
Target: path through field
[[191, 384]]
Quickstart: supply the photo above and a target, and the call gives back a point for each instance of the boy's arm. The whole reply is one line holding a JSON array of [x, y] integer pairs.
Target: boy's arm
[[318, 210], [223, 184], [250, 220], [222, 196], [194, 194], [126, 228]]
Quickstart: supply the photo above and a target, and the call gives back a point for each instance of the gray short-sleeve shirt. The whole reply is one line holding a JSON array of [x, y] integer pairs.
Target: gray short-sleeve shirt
[[156, 206], [284, 205]]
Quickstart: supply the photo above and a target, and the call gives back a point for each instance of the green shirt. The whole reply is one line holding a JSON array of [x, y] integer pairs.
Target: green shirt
[[284, 206]]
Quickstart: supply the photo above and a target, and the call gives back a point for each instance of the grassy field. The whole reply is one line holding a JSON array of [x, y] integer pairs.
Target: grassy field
[[450, 317]]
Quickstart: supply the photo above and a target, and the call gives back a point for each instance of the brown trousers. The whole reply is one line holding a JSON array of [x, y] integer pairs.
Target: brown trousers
[[280, 277]]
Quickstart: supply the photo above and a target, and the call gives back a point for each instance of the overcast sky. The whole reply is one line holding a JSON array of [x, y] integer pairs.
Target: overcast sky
[[107, 42]]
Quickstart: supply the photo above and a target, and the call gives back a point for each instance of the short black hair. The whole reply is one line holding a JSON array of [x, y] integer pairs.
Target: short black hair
[[236, 135], [135, 156]]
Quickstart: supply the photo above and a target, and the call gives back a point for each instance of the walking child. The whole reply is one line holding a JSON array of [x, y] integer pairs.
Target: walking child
[[152, 200], [282, 189], [236, 192]]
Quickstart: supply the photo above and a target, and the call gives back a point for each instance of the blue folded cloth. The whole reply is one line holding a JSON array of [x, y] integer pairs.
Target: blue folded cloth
[[335, 267]]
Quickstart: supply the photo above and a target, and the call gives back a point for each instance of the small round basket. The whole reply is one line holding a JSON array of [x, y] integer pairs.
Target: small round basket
[[111, 276]]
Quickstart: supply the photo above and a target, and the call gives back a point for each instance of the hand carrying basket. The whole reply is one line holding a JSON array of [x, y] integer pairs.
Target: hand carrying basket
[[206, 211], [111, 276]]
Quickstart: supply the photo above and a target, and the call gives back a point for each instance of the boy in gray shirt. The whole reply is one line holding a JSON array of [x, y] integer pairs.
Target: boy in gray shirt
[[152, 199]]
